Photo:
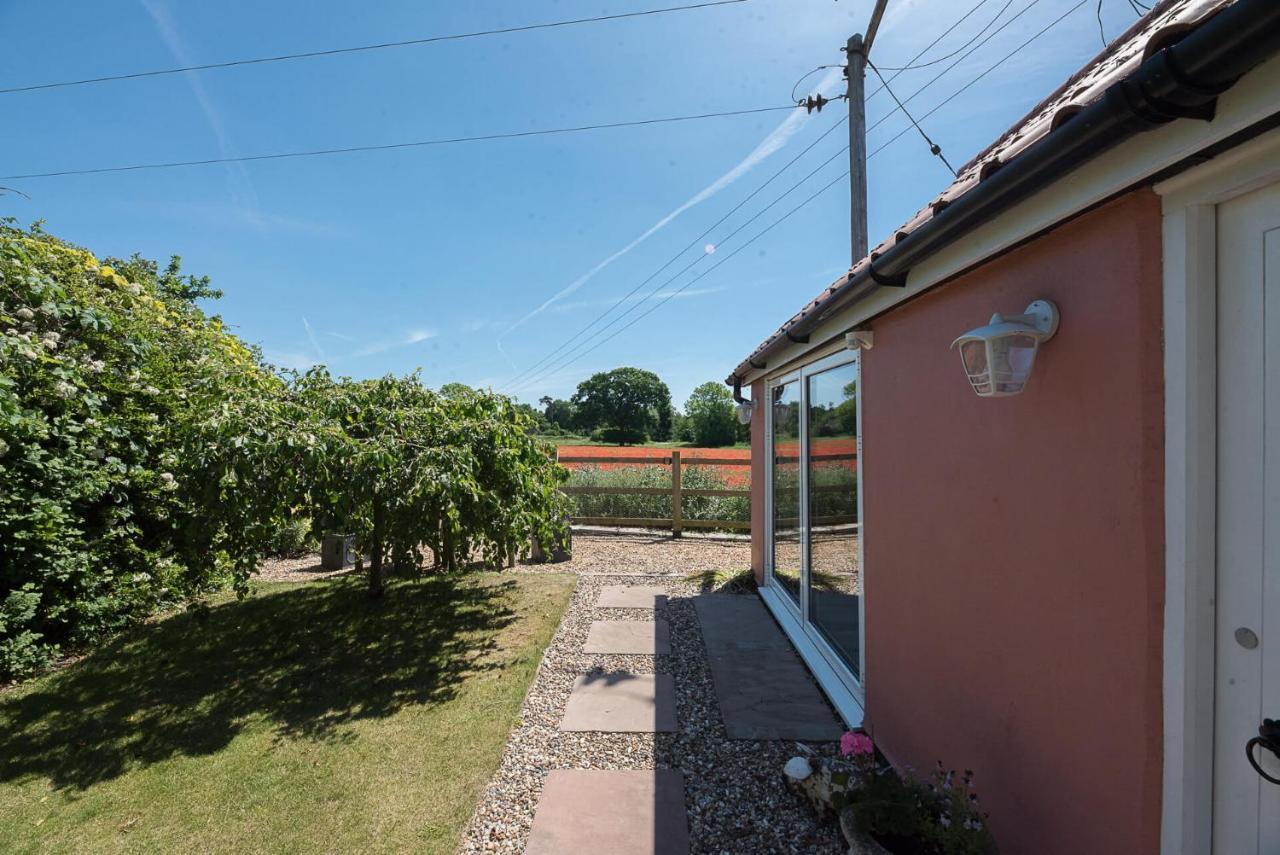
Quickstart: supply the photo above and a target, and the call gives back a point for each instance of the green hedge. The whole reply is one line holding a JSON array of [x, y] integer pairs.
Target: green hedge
[[105, 370], [147, 456]]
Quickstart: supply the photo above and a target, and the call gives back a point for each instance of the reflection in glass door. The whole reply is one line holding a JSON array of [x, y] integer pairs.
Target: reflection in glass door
[[814, 512], [832, 468], [785, 454]]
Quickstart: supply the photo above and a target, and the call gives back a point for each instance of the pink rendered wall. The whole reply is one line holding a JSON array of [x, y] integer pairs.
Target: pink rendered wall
[[1015, 546]]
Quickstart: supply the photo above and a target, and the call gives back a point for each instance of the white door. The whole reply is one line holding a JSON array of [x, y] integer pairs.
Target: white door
[[1246, 807]]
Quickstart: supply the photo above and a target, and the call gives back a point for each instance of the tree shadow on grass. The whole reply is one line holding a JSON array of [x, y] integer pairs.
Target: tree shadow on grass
[[307, 660]]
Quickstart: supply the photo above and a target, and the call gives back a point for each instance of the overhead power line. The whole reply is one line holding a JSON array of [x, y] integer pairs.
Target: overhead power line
[[838, 179], [524, 28], [931, 45], [806, 76], [972, 50], [934, 148], [1138, 8], [173, 164], [693, 243], [912, 64], [944, 102], [578, 351], [535, 371]]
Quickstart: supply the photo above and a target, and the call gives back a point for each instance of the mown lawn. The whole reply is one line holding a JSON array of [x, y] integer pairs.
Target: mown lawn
[[304, 719]]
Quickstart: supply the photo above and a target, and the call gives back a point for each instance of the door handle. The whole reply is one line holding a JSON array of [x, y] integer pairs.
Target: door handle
[[1268, 738]]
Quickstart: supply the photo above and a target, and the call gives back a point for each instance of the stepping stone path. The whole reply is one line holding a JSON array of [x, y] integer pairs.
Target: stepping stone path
[[619, 702], [629, 636], [761, 691], [617, 812], [610, 813], [632, 597]]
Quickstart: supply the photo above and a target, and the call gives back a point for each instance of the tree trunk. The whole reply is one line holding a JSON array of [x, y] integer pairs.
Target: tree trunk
[[450, 555], [376, 572]]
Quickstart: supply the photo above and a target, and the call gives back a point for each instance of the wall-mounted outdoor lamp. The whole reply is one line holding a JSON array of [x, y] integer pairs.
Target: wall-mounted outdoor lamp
[[780, 410], [998, 358], [745, 406]]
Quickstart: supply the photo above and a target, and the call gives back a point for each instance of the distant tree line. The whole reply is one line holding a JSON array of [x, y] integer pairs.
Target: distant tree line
[[629, 405]]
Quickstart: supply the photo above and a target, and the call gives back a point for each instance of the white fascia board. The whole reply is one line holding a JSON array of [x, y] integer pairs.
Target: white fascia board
[[1248, 102]]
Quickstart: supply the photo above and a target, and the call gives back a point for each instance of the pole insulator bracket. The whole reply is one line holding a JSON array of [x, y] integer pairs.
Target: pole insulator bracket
[[815, 102]]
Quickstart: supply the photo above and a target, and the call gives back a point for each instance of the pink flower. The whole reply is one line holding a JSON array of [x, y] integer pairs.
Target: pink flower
[[857, 745]]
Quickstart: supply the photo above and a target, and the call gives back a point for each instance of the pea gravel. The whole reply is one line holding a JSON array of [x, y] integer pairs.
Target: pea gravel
[[734, 792], [303, 568]]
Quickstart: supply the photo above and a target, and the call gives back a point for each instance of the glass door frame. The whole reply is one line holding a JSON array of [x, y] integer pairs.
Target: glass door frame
[[800, 613]]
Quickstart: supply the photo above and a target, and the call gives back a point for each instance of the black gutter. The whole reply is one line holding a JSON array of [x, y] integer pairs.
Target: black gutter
[[1183, 80]]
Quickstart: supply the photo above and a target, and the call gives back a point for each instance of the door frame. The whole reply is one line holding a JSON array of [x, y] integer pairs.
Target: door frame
[[1190, 202], [845, 691]]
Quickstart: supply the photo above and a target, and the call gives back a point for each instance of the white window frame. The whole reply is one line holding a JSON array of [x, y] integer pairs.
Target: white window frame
[[1190, 202], [845, 691]]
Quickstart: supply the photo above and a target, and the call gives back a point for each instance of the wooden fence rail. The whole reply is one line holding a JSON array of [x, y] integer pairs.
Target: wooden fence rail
[[677, 522]]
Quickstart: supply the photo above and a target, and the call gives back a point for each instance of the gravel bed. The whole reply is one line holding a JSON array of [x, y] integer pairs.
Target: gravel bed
[[734, 792], [635, 553], [304, 568], [622, 551]]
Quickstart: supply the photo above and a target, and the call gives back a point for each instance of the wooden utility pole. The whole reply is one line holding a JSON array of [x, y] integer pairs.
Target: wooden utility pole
[[857, 50], [855, 70]]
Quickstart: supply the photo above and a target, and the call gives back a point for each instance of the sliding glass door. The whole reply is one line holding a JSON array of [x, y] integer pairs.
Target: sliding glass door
[[832, 467], [787, 555], [815, 553]]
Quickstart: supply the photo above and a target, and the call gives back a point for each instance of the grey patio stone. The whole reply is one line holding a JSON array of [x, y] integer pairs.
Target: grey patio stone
[[771, 696], [631, 597], [620, 702], [605, 812], [736, 622], [629, 636], [763, 689]]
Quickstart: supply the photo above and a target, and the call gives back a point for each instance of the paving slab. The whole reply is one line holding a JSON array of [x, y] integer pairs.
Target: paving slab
[[733, 623], [763, 689], [631, 597], [629, 636], [606, 812], [621, 702]]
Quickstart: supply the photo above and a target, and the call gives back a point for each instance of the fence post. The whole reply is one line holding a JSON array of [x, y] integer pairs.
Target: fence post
[[677, 506]]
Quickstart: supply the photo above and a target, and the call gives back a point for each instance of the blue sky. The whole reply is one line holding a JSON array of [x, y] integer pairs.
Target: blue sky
[[471, 262]]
